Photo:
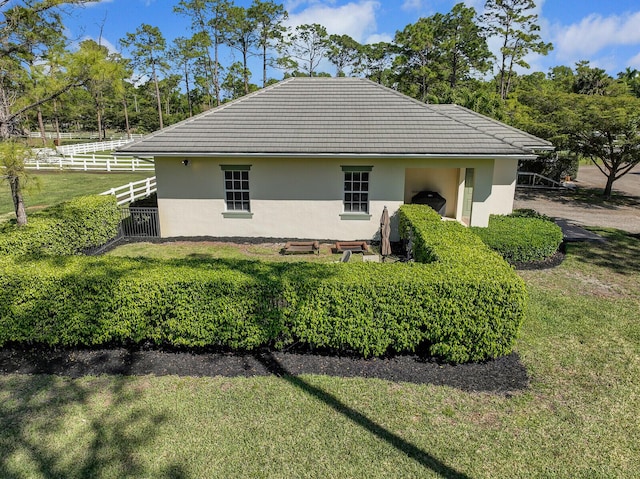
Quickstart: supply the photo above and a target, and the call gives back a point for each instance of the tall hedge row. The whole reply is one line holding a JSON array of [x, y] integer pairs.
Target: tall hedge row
[[63, 229], [461, 310]]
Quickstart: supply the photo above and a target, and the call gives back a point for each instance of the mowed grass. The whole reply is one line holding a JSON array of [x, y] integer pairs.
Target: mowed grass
[[579, 417], [228, 250], [48, 188]]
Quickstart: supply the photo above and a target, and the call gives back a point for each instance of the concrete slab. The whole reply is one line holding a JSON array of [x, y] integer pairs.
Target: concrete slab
[[572, 232]]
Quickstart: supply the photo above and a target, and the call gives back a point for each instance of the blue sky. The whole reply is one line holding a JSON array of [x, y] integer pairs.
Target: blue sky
[[605, 32]]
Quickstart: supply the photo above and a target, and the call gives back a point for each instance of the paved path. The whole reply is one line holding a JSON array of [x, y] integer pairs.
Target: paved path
[[622, 212], [573, 232]]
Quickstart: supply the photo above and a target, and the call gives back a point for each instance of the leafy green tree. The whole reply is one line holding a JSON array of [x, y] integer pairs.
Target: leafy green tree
[[517, 28], [562, 78], [631, 79], [376, 61], [417, 60], [12, 158], [184, 53], [463, 44], [268, 17], [29, 30], [147, 47], [605, 130], [209, 24], [104, 76], [345, 53], [307, 45], [234, 83], [591, 81], [241, 36]]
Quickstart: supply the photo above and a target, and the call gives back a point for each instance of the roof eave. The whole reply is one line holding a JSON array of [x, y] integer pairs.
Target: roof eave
[[476, 156]]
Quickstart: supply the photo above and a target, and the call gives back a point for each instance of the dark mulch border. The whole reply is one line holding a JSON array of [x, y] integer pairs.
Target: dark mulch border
[[547, 263], [504, 375]]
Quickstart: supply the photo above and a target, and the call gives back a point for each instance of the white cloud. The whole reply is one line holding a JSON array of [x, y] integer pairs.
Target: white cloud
[[379, 37], [94, 4], [356, 19], [595, 33], [634, 62], [411, 5]]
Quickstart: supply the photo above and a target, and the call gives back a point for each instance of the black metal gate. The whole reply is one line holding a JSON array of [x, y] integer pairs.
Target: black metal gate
[[140, 222]]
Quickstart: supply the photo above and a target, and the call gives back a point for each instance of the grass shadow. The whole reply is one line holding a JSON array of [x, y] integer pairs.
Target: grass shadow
[[422, 457], [620, 253], [104, 442]]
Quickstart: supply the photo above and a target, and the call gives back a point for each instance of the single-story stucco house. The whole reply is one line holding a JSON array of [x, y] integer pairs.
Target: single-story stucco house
[[319, 158]]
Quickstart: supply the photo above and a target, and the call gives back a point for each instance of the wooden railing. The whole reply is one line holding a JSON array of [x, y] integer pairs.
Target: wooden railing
[[133, 191]]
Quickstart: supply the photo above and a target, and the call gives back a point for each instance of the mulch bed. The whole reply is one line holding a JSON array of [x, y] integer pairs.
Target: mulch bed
[[504, 375], [550, 262]]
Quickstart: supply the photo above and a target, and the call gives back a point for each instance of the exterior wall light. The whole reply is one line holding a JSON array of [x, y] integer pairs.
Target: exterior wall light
[[185, 162]]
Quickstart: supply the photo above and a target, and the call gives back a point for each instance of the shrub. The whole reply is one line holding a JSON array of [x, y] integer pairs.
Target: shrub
[[365, 308], [523, 237], [466, 305], [63, 229]]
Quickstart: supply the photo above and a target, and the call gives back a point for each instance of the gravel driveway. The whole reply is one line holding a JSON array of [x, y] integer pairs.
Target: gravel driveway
[[584, 207]]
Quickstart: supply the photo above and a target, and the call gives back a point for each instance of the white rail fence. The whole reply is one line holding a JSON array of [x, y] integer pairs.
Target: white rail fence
[[535, 180], [51, 135], [81, 148], [91, 163], [133, 191]]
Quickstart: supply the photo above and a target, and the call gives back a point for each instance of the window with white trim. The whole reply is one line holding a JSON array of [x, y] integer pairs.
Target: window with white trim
[[356, 189], [236, 188]]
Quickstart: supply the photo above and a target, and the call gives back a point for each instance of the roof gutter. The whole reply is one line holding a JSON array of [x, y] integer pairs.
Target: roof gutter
[[365, 156]]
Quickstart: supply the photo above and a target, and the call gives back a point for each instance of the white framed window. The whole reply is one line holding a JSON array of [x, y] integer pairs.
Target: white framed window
[[356, 189], [236, 188]]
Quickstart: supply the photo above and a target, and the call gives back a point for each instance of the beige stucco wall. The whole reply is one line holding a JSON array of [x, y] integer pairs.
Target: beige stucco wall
[[505, 173], [443, 181], [302, 198]]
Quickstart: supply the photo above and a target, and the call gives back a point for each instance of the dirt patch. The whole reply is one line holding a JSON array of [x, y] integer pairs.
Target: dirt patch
[[585, 206]]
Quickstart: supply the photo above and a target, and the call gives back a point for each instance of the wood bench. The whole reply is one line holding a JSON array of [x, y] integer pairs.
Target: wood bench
[[293, 247], [353, 246]]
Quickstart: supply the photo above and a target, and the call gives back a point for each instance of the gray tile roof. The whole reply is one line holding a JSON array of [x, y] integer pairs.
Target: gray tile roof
[[301, 116]]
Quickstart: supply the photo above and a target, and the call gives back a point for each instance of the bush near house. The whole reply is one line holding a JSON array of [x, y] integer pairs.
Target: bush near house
[[463, 309], [522, 237], [63, 229]]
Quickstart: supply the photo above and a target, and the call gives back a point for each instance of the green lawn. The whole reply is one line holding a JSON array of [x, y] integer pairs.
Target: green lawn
[[46, 189], [579, 418], [224, 250]]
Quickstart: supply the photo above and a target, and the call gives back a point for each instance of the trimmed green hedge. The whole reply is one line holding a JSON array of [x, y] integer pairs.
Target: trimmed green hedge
[[465, 306], [64, 229], [522, 237]]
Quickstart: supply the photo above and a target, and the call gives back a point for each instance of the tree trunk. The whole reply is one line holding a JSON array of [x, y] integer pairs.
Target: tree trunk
[[245, 70], [264, 64], [18, 202], [186, 81], [216, 72], [609, 186], [99, 118], [158, 99], [41, 126], [126, 118], [57, 121]]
